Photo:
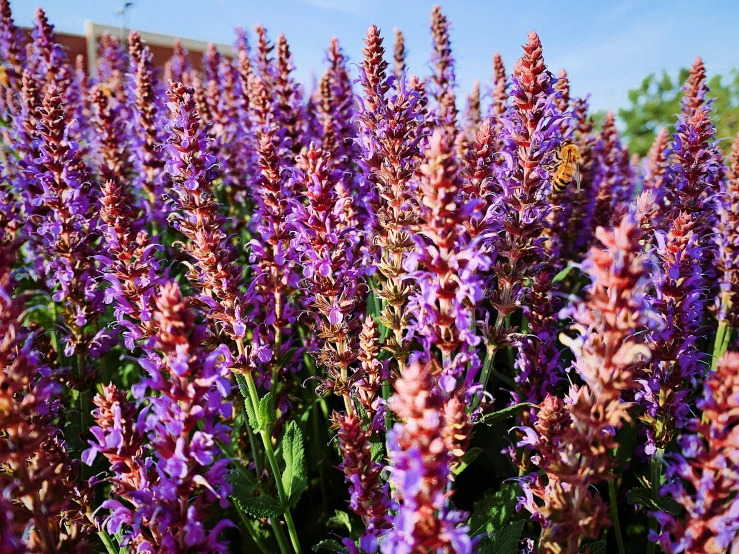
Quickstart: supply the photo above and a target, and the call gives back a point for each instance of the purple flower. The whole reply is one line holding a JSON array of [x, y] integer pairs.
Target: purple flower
[[419, 469], [704, 477], [167, 495]]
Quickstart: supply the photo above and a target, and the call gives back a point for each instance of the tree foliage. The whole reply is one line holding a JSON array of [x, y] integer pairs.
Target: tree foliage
[[656, 103]]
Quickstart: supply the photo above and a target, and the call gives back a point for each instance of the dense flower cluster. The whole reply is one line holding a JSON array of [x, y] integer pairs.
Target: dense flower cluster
[[243, 314], [575, 437]]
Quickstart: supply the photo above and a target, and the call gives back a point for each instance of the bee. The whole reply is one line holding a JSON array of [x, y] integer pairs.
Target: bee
[[565, 167], [107, 89]]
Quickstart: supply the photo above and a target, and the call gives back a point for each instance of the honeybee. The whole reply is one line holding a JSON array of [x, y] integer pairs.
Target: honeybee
[[107, 89], [565, 167]]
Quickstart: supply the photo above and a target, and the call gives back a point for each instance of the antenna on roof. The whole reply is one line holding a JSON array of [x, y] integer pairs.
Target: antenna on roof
[[123, 13]]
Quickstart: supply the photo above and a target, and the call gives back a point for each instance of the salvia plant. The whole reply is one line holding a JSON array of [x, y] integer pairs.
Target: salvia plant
[[372, 315]]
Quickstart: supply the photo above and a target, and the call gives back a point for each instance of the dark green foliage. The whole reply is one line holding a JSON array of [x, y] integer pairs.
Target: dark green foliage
[[655, 103]]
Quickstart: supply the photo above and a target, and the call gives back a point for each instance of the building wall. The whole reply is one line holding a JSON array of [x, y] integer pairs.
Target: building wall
[[160, 45]]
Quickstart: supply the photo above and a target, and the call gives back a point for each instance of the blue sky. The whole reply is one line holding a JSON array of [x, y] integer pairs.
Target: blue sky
[[606, 46]]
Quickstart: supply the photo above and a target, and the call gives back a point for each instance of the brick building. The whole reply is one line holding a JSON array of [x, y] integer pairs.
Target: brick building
[[160, 45]]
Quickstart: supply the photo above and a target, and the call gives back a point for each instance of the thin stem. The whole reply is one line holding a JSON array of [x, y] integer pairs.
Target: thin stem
[[614, 516], [260, 544], [278, 341], [254, 449], [487, 365], [492, 347], [719, 343], [280, 536], [109, 546], [321, 470], [656, 478], [386, 393], [104, 537], [274, 466], [83, 399]]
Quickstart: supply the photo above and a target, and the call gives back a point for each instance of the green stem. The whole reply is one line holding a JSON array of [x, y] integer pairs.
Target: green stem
[[720, 343], [247, 524], [83, 399], [254, 449], [321, 468], [311, 365], [614, 516], [280, 536], [274, 466], [109, 546], [487, 365], [656, 478]]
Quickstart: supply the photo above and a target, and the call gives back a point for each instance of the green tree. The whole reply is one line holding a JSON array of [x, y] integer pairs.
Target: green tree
[[656, 104]]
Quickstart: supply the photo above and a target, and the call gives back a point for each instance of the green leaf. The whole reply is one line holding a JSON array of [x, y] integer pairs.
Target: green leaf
[[506, 541], [340, 518], [595, 547], [562, 274], [267, 413], [258, 506], [495, 510], [244, 389], [626, 438], [241, 382], [377, 451], [294, 477], [644, 497], [500, 415], [469, 457], [247, 496], [251, 414], [330, 546]]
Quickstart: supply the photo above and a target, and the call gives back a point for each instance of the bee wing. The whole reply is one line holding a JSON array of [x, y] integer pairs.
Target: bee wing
[[577, 177]]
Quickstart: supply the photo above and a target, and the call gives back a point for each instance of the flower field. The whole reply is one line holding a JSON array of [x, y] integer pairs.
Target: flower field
[[241, 314]]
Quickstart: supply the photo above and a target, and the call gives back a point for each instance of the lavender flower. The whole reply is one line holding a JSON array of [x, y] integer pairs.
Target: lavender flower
[[531, 128], [63, 226], [472, 116], [445, 266], [676, 361], [178, 67], [727, 303], [614, 186], [499, 104], [704, 477], [289, 112], [332, 281], [13, 56], [368, 495], [399, 54], [48, 64], [193, 172], [150, 178], [183, 478], [108, 122], [656, 177], [390, 123], [119, 436], [583, 204], [112, 64], [271, 249], [443, 79], [419, 470], [130, 266], [39, 479], [574, 439]]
